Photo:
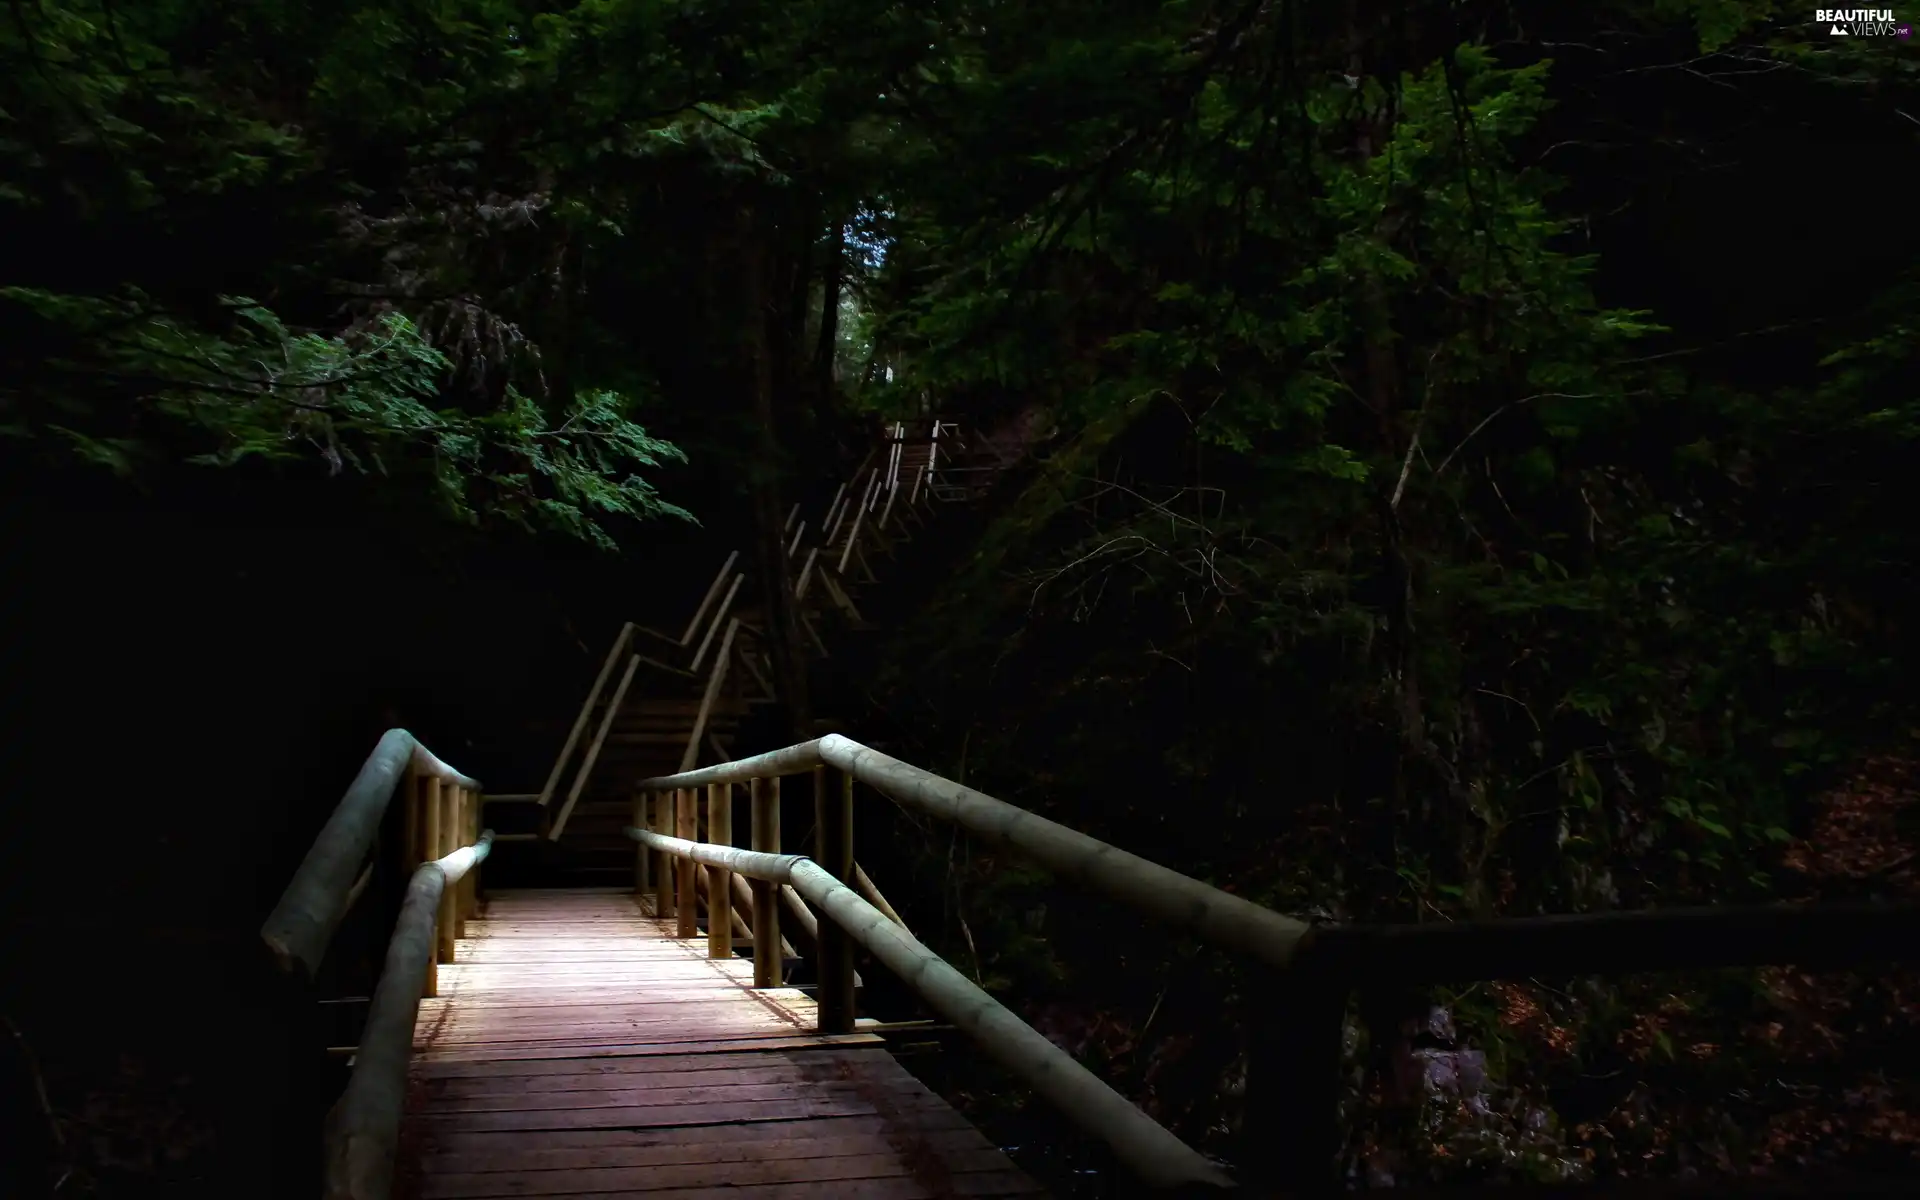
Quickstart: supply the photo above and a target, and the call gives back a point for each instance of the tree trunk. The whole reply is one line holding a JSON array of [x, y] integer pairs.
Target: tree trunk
[[799, 282], [829, 340], [784, 646]]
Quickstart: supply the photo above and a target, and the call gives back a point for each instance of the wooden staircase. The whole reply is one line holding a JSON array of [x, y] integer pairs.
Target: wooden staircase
[[664, 704]]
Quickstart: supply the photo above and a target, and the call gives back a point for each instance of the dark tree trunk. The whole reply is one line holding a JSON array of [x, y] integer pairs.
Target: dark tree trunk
[[799, 286], [760, 324], [828, 341]]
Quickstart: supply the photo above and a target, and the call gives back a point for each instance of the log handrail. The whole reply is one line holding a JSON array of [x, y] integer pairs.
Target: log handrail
[[655, 634], [301, 925], [1140, 1143], [719, 619], [859, 519], [586, 712], [1161, 893], [715, 678], [607, 719], [1308, 973], [363, 1128], [442, 810], [713, 590], [1834, 933]]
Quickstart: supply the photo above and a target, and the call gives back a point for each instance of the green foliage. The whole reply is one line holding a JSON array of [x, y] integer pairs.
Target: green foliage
[[1408, 556], [1407, 328], [138, 129], [257, 391]]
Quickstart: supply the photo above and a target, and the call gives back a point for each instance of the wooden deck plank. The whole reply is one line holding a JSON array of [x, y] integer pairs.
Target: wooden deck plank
[[635, 1057], [652, 1116], [578, 1049], [960, 1143], [699, 1139], [775, 1070], [619, 990], [467, 1055], [882, 1163], [646, 1097], [983, 1184]]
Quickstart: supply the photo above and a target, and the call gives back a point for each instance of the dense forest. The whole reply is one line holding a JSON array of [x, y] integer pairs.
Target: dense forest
[[1479, 479]]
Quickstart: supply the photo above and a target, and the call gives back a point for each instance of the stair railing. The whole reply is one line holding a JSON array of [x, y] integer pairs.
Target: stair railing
[[716, 678], [713, 590], [552, 825], [443, 835], [607, 718], [1139, 1142], [873, 487], [1305, 974], [560, 761], [337, 866]]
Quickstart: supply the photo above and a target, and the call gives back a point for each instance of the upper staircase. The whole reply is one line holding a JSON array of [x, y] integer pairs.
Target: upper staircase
[[669, 702]]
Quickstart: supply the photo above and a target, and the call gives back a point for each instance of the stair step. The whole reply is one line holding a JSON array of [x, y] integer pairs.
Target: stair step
[[643, 763]]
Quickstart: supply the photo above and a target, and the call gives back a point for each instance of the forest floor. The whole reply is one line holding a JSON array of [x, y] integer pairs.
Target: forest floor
[[1775, 1071]]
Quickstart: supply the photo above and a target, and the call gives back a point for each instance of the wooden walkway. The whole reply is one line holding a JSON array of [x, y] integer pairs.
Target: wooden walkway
[[578, 1049]]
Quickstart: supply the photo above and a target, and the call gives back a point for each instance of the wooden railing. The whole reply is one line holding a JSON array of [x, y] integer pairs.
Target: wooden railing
[[440, 819], [832, 882], [1306, 974], [1148, 1150]]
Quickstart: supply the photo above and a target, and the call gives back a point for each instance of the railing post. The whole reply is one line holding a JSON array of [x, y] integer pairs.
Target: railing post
[[719, 879], [457, 902], [449, 835], [662, 863], [470, 886], [686, 902], [471, 909], [767, 962], [410, 787], [1291, 1139], [642, 857], [833, 821], [430, 810]]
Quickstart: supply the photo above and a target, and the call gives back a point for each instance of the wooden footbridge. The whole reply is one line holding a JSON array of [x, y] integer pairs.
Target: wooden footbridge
[[608, 1042], [578, 1047]]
